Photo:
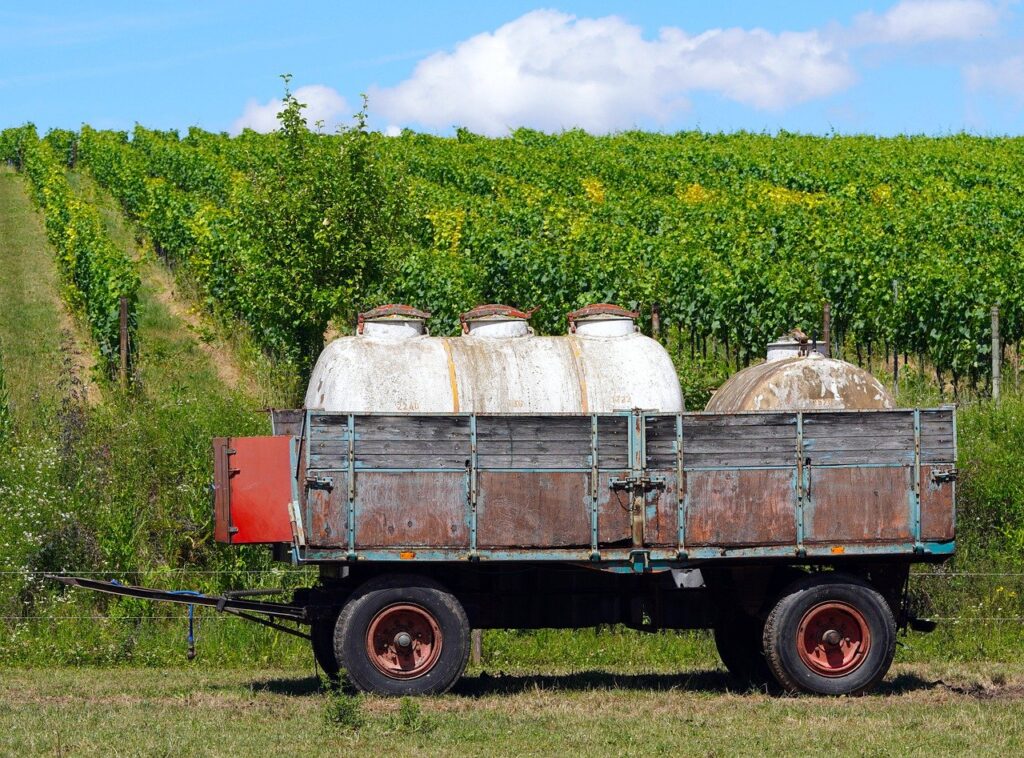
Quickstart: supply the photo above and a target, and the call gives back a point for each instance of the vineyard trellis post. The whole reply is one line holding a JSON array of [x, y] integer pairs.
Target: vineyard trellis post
[[123, 371], [996, 378]]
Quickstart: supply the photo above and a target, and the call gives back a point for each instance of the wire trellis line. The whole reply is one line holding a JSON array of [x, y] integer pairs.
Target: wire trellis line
[[302, 570], [231, 617], [118, 572]]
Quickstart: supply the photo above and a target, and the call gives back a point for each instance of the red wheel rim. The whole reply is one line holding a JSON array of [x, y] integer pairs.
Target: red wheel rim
[[833, 639], [403, 641]]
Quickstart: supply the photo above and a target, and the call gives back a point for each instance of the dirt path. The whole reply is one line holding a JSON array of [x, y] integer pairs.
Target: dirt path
[[47, 355]]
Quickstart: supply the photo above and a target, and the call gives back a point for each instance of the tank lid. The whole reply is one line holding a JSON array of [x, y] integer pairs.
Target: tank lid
[[794, 344], [390, 312], [493, 312], [600, 312]]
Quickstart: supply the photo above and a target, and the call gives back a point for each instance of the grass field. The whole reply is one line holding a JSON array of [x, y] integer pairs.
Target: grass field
[[922, 710]]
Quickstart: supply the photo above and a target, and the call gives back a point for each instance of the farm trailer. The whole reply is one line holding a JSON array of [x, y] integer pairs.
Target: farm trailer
[[789, 534]]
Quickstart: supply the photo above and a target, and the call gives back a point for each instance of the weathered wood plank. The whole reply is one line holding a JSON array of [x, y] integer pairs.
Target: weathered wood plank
[[699, 421], [828, 444], [426, 460]]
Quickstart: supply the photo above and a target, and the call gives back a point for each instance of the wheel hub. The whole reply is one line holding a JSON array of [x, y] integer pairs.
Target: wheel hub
[[403, 641], [833, 639]]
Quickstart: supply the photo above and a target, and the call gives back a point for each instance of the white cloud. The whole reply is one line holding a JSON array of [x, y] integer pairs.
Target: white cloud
[[323, 103], [550, 70], [1005, 76], [917, 21]]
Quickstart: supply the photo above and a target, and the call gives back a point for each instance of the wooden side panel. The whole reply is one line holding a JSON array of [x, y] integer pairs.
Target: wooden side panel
[[938, 514], [661, 522], [413, 509], [749, 440], [859, 505], [741, 507], [534, 442], [327, 512], [287, 422], [517, 509], [614, 527]]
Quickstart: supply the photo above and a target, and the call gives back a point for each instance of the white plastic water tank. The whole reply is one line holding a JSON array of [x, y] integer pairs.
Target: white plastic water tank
[[497, 366]]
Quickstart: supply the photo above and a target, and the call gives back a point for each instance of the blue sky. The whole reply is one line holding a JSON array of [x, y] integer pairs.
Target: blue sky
[[913, 66]]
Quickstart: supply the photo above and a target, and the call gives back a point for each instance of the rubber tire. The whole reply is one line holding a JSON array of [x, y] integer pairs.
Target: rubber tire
[[321, 635], [355, 618], [780, 635], [739, 641]]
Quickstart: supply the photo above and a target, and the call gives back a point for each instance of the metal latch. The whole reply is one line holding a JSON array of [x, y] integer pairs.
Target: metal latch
[[947, 475], [315, 480], [644, 483], [640, 561]]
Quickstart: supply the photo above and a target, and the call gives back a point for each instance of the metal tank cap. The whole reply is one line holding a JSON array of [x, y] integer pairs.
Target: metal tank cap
[[795, 344], [602, 320], [392, 320], [496, 320]]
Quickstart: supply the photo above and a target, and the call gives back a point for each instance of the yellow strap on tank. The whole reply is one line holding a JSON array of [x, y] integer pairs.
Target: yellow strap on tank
[[577, 354], [451, 375]]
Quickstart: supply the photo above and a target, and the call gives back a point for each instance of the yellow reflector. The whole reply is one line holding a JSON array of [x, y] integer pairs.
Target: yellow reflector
[[838, 549], [407, 555]]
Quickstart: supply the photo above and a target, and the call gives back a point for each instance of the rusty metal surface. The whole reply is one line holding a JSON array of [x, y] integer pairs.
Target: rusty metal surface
[[741, 507], [938, 515], [411, 509], [853, 504], [600, 311], [221, 490], [803, 383], [529, 509]]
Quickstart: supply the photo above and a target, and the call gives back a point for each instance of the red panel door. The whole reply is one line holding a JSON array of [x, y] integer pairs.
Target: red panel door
[[252, 489]]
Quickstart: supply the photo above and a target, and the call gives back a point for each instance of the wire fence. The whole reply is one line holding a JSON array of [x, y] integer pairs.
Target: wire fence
[[309, 569]]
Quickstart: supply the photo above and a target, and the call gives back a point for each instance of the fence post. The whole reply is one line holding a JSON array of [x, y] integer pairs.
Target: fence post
[[123, 372], [656, 321], [996, 354], [476, 646]]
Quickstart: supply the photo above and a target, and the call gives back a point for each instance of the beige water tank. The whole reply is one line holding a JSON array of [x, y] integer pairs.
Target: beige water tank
[[797, 377]]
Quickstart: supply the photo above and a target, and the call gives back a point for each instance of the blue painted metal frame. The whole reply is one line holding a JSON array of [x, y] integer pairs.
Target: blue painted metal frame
[[802, 484], [915, 492]]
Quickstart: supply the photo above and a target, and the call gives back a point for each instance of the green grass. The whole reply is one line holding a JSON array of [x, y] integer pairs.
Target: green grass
[[30, 311], [121, 485], [922, 710]]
